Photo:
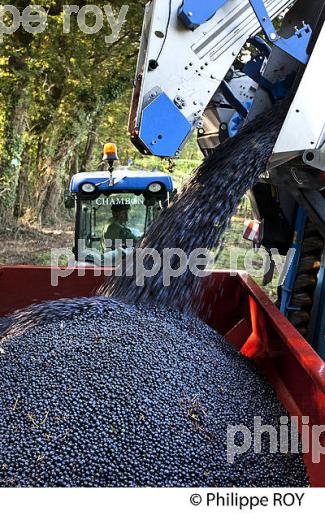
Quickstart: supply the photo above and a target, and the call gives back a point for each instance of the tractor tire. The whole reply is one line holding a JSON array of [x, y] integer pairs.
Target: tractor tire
[[299, 318], [312, 244], [302, 300], [309, 264], [306, 279]]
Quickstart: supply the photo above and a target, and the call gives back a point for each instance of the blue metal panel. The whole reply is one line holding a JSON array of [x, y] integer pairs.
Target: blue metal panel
[[122, 180], [286, 289], [278, 90], [295, 46], [236, 120], [317, 326], [263, 17], [194, 13], [252, 68], [163, 127], [232, 100]]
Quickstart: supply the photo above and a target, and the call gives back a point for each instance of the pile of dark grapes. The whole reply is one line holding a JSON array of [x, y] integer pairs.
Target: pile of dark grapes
[[95, 393]]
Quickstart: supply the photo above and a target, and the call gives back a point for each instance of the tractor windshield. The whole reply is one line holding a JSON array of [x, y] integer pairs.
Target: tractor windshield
[[112, 222]]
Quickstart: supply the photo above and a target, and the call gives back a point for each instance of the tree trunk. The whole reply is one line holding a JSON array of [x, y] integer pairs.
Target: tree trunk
[[89, 148], [53, 174], [11, 160]]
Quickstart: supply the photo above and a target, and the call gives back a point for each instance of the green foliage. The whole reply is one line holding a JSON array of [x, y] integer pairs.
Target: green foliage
[[55, 89], [62, 96]]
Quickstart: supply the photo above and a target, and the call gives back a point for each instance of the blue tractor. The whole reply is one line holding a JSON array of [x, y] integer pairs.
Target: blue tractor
[[114, 209]]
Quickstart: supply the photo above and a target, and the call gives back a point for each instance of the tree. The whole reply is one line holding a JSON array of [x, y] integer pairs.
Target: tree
[[55, 90]]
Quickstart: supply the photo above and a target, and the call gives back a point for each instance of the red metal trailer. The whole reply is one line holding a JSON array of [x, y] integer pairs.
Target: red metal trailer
[[236, 307]]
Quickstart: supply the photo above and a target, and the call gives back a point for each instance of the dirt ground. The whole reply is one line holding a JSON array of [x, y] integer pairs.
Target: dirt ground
[[31, 245]]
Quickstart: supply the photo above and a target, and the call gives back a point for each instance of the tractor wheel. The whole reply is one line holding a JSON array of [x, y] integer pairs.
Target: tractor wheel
[[306, 280]]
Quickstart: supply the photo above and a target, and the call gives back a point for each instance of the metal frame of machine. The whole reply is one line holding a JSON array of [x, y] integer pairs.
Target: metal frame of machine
[[205, 55]]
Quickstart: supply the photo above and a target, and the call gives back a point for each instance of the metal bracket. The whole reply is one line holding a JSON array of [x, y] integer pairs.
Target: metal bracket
[[193, 13], [317, 325], [286, 289], [295, 46], [180, 102], [232, 100], [315, 158]]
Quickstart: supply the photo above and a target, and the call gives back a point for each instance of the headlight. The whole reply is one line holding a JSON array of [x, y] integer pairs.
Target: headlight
[[154, 187], [88, 187]]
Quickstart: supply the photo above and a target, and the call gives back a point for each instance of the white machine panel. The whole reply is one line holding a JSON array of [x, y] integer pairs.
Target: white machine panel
[[304, 127]]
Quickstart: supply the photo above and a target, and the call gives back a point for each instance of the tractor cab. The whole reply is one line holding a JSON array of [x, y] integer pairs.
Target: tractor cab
[[114, 210]]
